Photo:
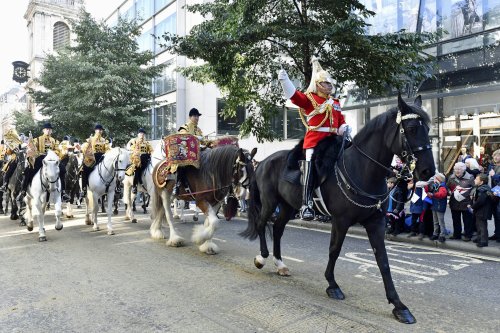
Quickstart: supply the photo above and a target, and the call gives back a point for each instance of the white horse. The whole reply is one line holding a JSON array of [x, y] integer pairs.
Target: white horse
[[147, 187], [46, 181], [102, 180], [180, 205]]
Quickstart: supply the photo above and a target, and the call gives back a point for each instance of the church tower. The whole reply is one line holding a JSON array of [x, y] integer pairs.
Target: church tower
[[49, 29]]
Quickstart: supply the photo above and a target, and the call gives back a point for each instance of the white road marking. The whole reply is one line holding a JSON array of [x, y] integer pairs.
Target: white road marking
[[220, 240], [415, 246], [289, 258]]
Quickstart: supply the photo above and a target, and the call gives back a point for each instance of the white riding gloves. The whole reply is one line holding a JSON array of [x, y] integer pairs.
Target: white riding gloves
[[344, 128], [286, 84]]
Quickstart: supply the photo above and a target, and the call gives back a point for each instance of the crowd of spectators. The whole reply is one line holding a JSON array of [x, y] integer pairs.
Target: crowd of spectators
[[470, 194]]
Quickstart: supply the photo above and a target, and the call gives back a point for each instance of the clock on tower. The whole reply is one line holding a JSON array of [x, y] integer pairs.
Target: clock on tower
[[20, 71]]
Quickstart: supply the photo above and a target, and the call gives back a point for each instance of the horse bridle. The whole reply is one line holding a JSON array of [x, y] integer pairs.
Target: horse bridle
[[236, 168], [42, 176], [408, 157], [115, 167]]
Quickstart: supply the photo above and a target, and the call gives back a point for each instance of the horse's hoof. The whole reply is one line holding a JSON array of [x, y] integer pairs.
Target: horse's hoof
[[115, 212], [42, 239], [59, 229], [257, 263], [22, 223], [283, 271], [127, 218], [195, 218], [145, 211], [88, 222], [111, 232], [95, 228], [30, 228], [134, 221], [404, 316], [14, 217], [133, 209], [79, 207], [2, 211], [335, 293]]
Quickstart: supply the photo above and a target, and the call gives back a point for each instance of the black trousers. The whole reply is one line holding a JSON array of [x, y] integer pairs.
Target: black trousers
[[87, 170], [482, 230], [457, 217], [145, 158]]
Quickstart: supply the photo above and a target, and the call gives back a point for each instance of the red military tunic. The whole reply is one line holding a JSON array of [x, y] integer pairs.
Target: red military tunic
[[322, 119]]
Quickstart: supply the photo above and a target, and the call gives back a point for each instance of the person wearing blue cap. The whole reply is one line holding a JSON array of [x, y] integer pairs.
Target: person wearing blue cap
[[43, 144], [140, 157], [93, 152]]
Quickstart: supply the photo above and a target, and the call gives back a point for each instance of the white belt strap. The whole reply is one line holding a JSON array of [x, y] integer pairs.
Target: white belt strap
[[325, 129]]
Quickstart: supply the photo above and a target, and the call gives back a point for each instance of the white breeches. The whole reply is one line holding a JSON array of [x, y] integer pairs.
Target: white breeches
[[309, 153]]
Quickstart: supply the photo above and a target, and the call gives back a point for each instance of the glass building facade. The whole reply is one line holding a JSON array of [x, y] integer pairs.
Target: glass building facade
[[464, 99]]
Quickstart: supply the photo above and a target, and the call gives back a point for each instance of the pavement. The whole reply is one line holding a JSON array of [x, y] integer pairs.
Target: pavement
[[492, 250]]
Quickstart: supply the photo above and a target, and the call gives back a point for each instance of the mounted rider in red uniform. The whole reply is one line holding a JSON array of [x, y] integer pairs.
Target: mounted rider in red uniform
[[321, 114]]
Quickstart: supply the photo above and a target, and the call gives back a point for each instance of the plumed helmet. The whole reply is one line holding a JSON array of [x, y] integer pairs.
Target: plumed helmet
[[194, 112], [318, 75]]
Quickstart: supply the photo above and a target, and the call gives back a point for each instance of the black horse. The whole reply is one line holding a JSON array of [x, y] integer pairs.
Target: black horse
[[14, 187], [354, 190]]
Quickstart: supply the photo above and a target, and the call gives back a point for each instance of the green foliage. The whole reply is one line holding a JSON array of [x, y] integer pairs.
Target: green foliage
[[243, 43], [103, 79], [26, 124]]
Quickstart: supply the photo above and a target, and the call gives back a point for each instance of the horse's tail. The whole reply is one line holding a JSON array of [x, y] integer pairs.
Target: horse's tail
[[254, 208]]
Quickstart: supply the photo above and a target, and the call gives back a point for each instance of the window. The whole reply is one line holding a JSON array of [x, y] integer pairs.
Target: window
[[167, 81], [145, 41], [277, 124], [144, 9], [60, 36], [428, 16], [163, 121], [492, 14], [462, 17], [294, 127], [167, 25], [159, 4], [231, 125]]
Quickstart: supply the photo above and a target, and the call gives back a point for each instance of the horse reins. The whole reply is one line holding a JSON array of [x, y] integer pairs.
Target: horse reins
[[116, 169], [407, 172], [46, 188]]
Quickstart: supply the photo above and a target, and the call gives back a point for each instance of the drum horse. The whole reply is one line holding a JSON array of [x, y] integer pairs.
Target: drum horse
[[354, 190], [220, 169]]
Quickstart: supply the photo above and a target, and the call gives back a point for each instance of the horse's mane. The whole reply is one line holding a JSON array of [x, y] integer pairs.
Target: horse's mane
[[216, 165], [380, 122], [113, 152], [51, 156]]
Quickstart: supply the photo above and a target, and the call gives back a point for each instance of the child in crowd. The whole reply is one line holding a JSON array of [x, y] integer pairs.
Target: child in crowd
[[438, 192], [395, 208], [417, 210], [482, 208]]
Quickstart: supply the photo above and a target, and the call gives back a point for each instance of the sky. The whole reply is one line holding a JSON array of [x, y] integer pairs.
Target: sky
[[14, 33]]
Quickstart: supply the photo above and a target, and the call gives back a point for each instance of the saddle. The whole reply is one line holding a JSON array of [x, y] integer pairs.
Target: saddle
[[324, 158]]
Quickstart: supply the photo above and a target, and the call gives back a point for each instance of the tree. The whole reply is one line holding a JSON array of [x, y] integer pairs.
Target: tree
[[243, 43], [104, 78], [26, 124]]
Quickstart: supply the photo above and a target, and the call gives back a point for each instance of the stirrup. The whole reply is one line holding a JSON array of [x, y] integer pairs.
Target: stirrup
[[134, 189], [65, 197], [175, 190], [307, 213]]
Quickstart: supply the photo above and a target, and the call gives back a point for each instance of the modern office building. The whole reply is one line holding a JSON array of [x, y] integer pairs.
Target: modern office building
[[463, 101]]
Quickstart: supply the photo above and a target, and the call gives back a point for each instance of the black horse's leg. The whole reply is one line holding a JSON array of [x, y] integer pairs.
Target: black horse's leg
[[265, 213], [337, 237], [1, 203], [375, 231], [278, 228]]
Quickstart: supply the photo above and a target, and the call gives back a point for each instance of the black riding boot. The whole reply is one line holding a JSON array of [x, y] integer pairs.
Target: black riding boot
[[179, 182], [137, 176], [24, 186], [62, 176], [85, 183], [307, 211]]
